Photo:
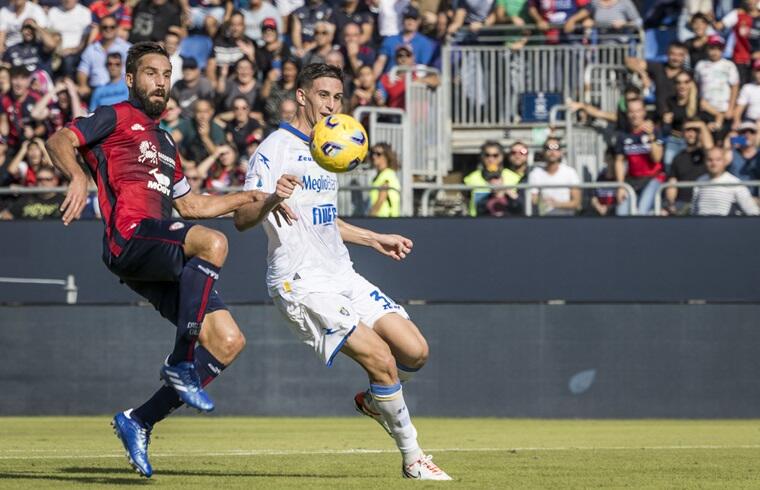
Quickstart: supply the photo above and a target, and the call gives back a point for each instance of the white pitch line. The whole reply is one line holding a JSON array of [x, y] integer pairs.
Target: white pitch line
[[288, 452]]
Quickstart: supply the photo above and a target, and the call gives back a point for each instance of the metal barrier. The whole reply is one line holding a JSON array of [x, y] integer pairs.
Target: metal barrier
[[429, 188], [483, 83], [69, 285], [603, 85], [586, 145], [692, 184]]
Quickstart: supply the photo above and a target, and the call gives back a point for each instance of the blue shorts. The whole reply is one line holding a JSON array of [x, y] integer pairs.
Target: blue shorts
[[151, 264]]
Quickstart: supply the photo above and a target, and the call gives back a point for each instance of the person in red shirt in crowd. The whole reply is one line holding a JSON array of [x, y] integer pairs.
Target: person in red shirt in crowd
[[642, 151], [566, 12], [392, 88], [28, 161], [745, 24], [114, 8], [16, 121]]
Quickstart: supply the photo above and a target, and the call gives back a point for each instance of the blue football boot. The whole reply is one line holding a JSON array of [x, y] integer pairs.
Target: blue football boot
[[185, 380], [135, 439]]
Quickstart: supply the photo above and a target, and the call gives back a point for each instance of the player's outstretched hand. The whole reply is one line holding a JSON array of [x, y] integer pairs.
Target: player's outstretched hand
[[76, 198], [284, 212], [286, 185], [396, 247]]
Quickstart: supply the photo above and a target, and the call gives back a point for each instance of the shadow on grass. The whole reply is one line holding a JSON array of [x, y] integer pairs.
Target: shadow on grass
[[220, 473], [94, 480]]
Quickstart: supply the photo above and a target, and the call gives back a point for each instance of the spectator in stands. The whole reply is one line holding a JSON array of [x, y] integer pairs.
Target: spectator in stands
[[688, 166], [385, 199], [659, 77], [29, 160], [171, 45], [614, 14], [92, 72], [220, 169], [748, 102], [270, 55], [242, 84], [743, 24], [472, 14], [274, 92], [116, 89], [619, 117], [513, 12], [424, 48], [37, 206], [17, 123], [230, 46], [207, 15], [12, 17], [365, 91], [393, 88], [192, 87], [193, 178], [152, 20], [389, 19], [517, 165], [171, 119], [324, 33], [744, 155], [721, 201], [638, 160], [354, 12], [354, 51], [569, 13], [684, 105], [60, 106], [72, 21], [697, 45], [120, 11], [692, 9], [254, 18], [718, 82], [604, 199], [241, 125], [491, 167], [35, 49], [303, 23], [508, 202], [200, 135], [564, 201]]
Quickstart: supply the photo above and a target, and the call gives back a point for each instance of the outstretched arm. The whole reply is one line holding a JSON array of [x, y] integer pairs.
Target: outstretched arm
[[62, 149], [252, 214], [396, 247], [198, 206]]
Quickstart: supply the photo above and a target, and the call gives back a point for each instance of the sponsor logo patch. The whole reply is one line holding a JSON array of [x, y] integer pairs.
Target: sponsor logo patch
[[137, 127], [176, 226]]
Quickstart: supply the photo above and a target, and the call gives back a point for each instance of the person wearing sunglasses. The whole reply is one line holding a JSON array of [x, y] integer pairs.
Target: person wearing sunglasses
[[38, 206], [92, 72], [385, 201], [324, 33], [565, 201], [116, 89], [491, 167]]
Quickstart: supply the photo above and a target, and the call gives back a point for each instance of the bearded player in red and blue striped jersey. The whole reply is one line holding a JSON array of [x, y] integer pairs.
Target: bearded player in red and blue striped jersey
[[172, 263]]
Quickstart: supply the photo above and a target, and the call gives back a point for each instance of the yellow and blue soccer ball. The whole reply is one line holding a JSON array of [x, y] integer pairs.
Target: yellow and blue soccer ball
[[339, 143]]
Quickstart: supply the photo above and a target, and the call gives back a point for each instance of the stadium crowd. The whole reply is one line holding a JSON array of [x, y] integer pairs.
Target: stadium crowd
[[235, 64]]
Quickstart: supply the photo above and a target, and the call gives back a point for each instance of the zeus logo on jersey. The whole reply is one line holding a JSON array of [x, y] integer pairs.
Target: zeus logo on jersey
[[324, 215], [161, 184], [319, 184]]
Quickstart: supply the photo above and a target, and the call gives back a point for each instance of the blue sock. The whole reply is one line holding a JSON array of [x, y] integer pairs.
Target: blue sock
[[165, 400], [195, 286]]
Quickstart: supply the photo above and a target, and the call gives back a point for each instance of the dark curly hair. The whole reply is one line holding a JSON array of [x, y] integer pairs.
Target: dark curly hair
[[138, 50]]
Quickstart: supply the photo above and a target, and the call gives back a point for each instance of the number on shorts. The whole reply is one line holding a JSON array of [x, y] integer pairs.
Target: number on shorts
[[387, 304]]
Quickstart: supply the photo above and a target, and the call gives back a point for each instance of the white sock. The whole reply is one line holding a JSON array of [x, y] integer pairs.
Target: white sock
[[405, 373], [389, 401]]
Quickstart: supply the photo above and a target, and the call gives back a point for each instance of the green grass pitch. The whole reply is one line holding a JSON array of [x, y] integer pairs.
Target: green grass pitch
[[307, 453]]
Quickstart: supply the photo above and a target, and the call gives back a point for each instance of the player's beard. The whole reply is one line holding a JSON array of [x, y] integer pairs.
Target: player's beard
[[152, 109]]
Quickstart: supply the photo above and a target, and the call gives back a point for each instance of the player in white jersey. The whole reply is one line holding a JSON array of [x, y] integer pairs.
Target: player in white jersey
[[310, 276]]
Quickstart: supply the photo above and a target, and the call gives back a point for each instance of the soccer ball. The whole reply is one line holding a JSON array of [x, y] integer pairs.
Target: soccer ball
[[338, 143]]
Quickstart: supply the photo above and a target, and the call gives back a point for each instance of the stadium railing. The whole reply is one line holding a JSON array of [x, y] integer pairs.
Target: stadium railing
[[429, 188], [585, 145], [69, 284], [693, 184], [483, 81]]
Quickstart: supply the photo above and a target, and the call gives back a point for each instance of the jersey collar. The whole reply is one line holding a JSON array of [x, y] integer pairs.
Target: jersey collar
[[288, 127]]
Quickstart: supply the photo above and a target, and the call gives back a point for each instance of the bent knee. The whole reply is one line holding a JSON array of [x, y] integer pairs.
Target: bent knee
[[382, 367], [216, 248], [233, 344]]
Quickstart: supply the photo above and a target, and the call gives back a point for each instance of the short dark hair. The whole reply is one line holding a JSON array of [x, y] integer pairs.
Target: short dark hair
[[19, 71], [317, 70], [678, 44], [138, 50], [109, 16], [114, 55], [491, 144]]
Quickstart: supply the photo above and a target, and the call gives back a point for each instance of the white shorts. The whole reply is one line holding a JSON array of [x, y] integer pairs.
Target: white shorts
[[324, 315]]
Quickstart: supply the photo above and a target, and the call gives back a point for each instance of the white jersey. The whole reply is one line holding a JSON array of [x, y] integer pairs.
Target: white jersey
[[311, 249]]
